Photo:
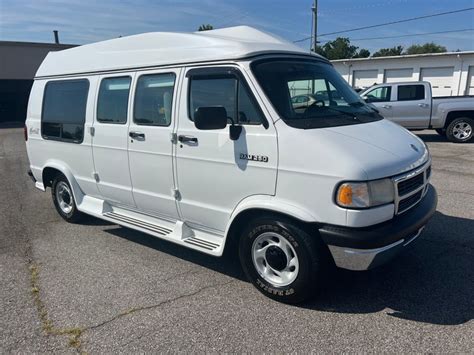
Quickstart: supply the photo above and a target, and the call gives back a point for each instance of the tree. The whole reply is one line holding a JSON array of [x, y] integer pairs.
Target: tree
[[363, 53], [205, 27], [385, 52], [341, 48], [425, 48]]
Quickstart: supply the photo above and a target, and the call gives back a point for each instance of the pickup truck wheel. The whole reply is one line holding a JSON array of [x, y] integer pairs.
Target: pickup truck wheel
[[282, 261], [441, 132], [460, 130], [63, 199]]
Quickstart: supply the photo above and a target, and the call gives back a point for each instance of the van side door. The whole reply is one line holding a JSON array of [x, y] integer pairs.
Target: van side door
[[110, 139], [412, 106], [214, 172], [150, 146]]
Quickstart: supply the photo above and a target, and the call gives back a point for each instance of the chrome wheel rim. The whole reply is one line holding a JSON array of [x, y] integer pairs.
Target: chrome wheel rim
[[275, 259], [64, 197], [462, 130]]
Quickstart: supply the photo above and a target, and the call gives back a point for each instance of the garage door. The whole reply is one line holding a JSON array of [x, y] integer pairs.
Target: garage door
[[441, 80], [470, 81], [364, 78], [394, 75]]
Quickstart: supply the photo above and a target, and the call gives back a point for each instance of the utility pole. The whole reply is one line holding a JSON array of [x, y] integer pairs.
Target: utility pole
[[314, 26]]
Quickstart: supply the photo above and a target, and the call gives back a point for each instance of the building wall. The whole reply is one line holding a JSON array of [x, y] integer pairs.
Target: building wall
[[19, 62], [449, 73]]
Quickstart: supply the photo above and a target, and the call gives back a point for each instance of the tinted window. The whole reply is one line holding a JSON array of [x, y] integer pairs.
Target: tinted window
[[227, 92], [112, 104], [411, 92], [380, 94], [154, 99], [64, 110]]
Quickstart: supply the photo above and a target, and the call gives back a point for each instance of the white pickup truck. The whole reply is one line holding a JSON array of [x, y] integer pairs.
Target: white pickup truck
[[411, 105]]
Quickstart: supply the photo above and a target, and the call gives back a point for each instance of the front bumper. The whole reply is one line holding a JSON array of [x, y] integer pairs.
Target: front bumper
[[368, 247]]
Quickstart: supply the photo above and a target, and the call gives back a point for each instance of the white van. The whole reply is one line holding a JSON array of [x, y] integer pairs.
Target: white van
[[195, 138]]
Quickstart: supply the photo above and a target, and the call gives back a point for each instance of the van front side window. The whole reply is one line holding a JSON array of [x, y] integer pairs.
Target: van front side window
[[154, 100], [228, 92], [64, 110], [112, 104]]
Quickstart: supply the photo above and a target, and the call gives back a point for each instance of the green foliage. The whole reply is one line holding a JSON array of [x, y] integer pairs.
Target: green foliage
[[205, 27], [385, 52], [425, 48], [363, 53], [341, 48]]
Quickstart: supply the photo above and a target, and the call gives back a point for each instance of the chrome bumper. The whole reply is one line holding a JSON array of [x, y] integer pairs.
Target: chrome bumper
[[364, 259]]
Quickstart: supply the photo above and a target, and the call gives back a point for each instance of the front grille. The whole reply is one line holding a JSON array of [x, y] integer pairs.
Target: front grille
[[410, 201], [411, 187], [411, 184]]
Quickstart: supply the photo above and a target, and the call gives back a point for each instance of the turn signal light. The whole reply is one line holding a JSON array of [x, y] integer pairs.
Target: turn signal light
[[345, 195]]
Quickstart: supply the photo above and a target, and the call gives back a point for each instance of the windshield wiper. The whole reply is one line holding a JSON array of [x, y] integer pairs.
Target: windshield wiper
[[345, 113]]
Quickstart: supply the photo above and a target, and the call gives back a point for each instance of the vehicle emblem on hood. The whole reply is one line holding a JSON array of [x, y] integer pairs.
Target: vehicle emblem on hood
[[414, 147]]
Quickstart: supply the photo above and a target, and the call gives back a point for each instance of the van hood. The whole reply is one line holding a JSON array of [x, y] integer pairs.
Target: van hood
[[362, 151], [383, 147]]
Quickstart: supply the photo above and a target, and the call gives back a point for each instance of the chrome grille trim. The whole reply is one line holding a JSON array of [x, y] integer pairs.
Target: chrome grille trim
[[424, 169]]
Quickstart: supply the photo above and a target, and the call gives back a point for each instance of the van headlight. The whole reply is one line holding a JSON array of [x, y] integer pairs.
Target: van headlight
[[365, 194]]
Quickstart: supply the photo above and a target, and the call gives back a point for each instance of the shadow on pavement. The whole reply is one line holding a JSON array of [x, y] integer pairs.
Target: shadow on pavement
[[228, 265], [431, 282]]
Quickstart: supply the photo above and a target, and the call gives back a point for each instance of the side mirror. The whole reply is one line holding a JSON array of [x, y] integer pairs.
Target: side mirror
[[365, 98], [210, 117]]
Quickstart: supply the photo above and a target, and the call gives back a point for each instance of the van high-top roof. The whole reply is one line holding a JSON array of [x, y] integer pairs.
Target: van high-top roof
[[165, 48]]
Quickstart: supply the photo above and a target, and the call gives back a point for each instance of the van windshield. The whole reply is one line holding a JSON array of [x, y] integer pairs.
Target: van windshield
[[311, 94]]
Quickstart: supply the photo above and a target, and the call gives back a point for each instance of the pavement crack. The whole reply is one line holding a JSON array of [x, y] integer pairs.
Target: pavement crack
[[156, 305]]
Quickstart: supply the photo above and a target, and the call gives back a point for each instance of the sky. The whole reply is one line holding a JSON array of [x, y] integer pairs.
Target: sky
[[86, 21]]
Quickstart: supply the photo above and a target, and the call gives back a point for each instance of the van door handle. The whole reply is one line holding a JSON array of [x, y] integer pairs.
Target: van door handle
[[386, 106], [137, 135], [184, 139]]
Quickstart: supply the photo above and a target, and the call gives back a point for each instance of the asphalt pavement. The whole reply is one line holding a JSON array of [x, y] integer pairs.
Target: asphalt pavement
[[98, 287]]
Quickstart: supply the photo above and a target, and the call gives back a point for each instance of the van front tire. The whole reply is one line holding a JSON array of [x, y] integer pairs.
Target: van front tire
[[64, 201], [282, 260]]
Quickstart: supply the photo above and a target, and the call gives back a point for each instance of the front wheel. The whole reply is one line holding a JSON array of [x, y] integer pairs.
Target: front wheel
[[282, 260], [460, 130]]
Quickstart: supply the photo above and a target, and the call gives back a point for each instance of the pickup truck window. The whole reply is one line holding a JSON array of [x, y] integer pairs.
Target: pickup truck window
[[112, 103], [411, 92], [64, 110], [153, 99], [331, 101], [380, 94]]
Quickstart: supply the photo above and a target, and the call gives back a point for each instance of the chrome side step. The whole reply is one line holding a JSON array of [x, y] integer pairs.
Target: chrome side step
[[201, 243], [138, 223]]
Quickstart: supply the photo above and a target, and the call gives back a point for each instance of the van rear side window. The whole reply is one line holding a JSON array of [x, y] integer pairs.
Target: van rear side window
[[64, 110]]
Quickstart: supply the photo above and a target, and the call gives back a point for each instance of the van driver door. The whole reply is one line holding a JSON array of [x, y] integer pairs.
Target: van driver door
[[214, 173]]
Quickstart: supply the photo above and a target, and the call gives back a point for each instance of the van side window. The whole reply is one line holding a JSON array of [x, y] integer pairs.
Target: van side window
[[64, 110], [411, 92], [154, 99], [227, 91], [112, 103]]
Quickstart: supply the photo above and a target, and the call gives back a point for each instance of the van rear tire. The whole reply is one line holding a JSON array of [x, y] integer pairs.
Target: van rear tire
[[460, 130], [282, 260], [63, 199]]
